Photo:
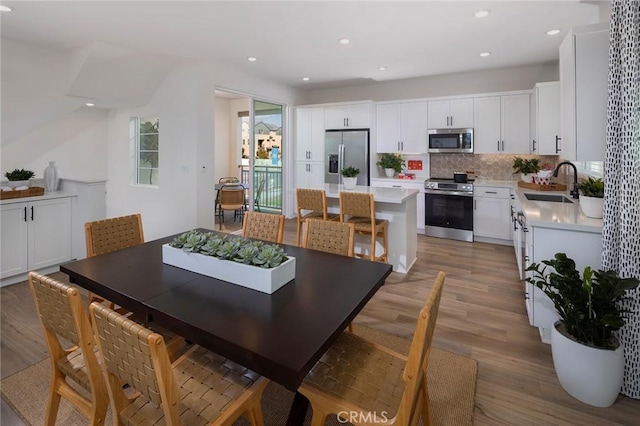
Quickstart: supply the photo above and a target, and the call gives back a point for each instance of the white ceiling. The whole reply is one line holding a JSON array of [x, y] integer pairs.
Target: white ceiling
[[295, 39]]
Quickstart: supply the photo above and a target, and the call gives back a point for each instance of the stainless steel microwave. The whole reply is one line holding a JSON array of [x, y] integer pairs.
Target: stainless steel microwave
[[450, 140]]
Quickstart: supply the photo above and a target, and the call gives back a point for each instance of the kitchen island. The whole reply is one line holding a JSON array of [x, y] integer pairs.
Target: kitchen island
[[398, 206]]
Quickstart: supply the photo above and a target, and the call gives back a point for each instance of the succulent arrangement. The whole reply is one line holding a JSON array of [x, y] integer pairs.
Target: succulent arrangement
[[591, 187], [350, 171], [19, 174], [236, 249]]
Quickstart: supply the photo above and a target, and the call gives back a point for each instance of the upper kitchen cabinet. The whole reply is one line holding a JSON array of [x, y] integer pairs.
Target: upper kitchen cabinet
[[401, 127], [309, 134], [501, 124], [353, 116], [450, 113], [584, 56], [546, 119]]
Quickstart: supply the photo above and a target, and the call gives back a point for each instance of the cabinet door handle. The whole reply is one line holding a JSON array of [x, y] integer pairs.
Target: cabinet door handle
[[491, 192], [396, 186], [402, 145], [474, 204], [25, 213], [498, 145], [557, 148], [451, 116], [534, 146], [31, 212], [503, 145]]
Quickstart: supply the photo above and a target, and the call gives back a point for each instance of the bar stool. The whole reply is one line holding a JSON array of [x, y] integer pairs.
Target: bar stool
[[360, 209], [315, 201]]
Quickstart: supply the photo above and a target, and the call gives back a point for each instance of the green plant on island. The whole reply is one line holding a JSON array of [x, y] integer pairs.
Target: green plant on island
[[350, 171], [591, 187], [236, 249], [526, 166], [19, 174], [391, 161], [589, 305]]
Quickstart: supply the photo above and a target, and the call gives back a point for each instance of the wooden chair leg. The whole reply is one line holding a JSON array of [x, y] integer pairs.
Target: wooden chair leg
[[318, 417], [53, 403], [298, 243], [373, 246]]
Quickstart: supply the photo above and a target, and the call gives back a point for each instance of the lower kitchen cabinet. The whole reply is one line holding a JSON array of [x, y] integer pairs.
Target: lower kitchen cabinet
[[309, 174], [35, 234], [407, 184], [492, 212]]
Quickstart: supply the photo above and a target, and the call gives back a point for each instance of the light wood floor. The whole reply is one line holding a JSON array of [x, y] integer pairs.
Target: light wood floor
[[482, 316]]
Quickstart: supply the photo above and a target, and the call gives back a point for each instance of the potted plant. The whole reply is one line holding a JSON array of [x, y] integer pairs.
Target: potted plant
[[391, 163], [350, 176], [19, 177], [592, 197], [526, 167], [587, 357]]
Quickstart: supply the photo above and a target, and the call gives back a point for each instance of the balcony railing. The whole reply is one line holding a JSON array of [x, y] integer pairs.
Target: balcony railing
[[270, 196]]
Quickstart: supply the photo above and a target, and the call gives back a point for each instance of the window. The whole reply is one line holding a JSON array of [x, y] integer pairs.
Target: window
[[145, 133], [590, 168]]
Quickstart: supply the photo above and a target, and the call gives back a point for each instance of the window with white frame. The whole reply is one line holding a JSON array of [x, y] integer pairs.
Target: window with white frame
[[145, 134]]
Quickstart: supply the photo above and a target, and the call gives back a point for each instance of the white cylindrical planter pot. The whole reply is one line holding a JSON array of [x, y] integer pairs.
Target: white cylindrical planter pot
[[349, 182], [591, 375], [390, 172], [592, 207]]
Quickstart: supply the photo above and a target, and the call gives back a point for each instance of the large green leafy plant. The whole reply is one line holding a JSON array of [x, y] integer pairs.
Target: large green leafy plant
[[526, 166], [591, 187], [19, 174], [391, 161], [235, 249], [350, 171], [588, 305]]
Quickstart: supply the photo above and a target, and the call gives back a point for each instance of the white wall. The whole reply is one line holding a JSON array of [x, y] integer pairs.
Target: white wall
[[495, 80]]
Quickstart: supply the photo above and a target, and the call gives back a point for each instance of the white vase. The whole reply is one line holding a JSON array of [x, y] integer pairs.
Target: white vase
[[349, 182], [592, 207], [591, 375], [51, 177], [390, 172]]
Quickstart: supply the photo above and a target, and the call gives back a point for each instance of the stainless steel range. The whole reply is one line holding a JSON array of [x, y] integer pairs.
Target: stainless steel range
[[448, 209]]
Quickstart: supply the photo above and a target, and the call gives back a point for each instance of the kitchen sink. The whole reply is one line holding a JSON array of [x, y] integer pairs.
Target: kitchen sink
[[548, 197]]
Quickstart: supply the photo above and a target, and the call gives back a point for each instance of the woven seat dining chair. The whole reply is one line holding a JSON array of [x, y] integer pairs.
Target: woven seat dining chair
[[200, 387], [359, 208], [359, 376], [63, 316], [231, 197], [263, 226], [313, 201], [329, 236]]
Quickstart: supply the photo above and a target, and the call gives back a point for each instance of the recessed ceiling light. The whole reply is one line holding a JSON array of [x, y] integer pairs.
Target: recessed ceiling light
[[305, 78], [89, 104], [553, 32], [382, 68], [481, 14], [344, 41], [485, 54], [252, 59], [4, 8]]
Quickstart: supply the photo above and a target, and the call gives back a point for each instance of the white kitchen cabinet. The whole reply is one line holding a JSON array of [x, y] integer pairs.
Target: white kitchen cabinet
[[35, 234], [584, 67], [450, 113], [502, 124], [546, 119], [309, 140], [356, 116], [407, 184], [401, 127], [309, 174], [492, 212]]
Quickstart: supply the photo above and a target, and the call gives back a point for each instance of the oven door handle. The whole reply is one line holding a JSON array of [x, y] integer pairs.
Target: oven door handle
[[439, 192]]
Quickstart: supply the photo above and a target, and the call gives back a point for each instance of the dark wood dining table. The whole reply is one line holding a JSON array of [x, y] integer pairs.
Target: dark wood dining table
[[280, 335]]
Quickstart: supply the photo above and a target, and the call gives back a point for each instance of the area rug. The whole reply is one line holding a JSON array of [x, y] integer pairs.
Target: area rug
[[452, 387]]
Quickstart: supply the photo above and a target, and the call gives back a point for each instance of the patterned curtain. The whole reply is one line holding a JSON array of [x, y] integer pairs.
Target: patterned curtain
[[621, 219]]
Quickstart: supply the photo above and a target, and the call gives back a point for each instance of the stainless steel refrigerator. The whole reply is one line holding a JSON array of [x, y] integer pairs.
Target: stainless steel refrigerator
[[344, 148]]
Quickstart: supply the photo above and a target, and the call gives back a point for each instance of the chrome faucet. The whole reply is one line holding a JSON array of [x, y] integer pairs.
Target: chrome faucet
[[574, 191]]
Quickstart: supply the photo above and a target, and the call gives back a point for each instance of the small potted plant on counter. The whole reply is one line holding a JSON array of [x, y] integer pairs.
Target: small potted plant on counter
[[587, 357], [19, 177], [592, 197], [526, 167], [350, 177], [391, 163]]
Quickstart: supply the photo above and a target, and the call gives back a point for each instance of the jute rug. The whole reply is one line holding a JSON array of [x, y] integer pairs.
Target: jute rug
[[452, 387]]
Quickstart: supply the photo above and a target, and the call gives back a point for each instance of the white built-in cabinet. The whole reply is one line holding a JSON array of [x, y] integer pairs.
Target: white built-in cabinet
[[450, 113], [354, 116], [406, 184], [502, 124], [401, 127], [35, 234], [584, 67], [309, 146], [492, 212], [546, 119]]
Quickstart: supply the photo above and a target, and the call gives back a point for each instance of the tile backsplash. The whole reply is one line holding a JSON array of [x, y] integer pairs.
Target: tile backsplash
[[484, 166]]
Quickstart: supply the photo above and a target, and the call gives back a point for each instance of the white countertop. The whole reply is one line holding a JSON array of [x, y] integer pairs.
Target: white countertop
[[496, 183], [418, 179], [380, 195], [46, 196]]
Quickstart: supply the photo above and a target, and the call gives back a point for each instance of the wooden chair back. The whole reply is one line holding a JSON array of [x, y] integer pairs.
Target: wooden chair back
[[263, 226], [357, 204], [329, 236], [415, 400], [62, 315], [104, 236], [231, 197], [311, 199], [228, 179]]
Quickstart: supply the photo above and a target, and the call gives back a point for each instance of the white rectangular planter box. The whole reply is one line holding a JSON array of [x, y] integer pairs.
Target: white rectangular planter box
[[250, 276]]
